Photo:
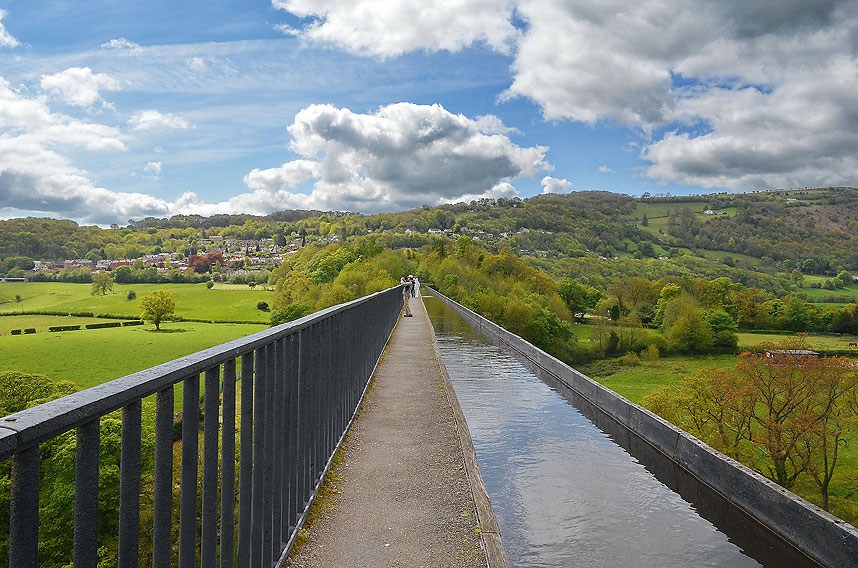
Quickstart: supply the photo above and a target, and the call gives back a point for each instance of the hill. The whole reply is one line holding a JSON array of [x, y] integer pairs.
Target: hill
[[764, 239]]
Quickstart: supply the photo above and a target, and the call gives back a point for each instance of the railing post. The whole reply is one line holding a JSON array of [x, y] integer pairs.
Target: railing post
[[24, 510], [245, 488], [86, 495], [268, 457], [129, 486], [227, 488], [296, 488], [162, 507], [190, 453], [279, 446], [208, 536], [257, 520]]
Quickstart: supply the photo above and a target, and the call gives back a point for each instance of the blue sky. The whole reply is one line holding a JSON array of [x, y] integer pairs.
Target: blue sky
[[112, 110]]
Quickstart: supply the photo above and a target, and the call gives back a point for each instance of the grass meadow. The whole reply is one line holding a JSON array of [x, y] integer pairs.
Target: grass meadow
[[89, 357], [221, 303]]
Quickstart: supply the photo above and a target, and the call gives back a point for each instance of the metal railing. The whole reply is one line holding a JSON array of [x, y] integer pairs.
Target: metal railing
[[300, 386]]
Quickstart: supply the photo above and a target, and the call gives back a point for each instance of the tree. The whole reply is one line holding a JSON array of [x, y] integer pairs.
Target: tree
[[785, 415], [157, 306], [684, 327], [578, 297], [102, 283]]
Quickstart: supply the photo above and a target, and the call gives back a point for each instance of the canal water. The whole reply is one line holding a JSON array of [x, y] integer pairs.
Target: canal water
[[564, 493]]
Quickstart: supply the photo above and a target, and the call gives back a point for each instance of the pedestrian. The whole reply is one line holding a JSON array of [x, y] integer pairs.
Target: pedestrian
[[407, 289], [416, 287]]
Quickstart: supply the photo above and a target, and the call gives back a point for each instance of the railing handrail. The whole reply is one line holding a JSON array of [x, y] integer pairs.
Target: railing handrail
[[301, 384], [26, 428]]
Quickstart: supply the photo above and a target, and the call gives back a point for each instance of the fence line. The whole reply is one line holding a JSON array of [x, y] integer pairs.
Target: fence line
[[301, 384]]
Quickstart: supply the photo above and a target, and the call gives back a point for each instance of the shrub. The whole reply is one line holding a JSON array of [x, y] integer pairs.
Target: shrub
[[30, 330], [629, 360], [132, 322], [291, 312], [262, 306], [16, 332], [103, 325], [63, 328], [210, 284], [650, 352], [132, 295]]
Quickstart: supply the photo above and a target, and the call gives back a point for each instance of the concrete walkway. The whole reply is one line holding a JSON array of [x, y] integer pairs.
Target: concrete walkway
[[403, 493]]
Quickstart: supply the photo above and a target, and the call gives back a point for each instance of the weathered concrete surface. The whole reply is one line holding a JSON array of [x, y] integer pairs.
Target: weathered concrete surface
[[401, 496]]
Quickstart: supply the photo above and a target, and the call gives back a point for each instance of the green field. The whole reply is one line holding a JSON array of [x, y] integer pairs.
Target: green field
[[819, 342], [194, 301], [91, 357], [845, 295]]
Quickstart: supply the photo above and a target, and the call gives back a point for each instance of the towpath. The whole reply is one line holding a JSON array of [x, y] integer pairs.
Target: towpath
[[405, 490]]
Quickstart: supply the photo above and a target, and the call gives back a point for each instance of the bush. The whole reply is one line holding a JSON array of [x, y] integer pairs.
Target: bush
[[132, 322], [262, 306], [30, 330], [63, 328], [210, 284], [103, 325], [16, 332], [650, 353], [132, 295], [629, 360], [291, 312]]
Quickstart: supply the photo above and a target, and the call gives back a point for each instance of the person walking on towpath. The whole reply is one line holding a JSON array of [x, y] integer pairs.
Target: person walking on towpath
[[407, 289]]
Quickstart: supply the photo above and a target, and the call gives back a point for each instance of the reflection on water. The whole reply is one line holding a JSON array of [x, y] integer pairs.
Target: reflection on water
[[563, 492]]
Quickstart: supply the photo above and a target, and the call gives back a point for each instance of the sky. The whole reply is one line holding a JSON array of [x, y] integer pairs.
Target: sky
[[112, 111]]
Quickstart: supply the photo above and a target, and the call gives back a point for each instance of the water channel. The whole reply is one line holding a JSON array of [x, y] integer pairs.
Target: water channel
[[565, 494]]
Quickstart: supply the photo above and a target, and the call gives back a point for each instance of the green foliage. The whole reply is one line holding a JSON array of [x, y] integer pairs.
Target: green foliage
[[579, 298], [290, 312], [102, 283], [685, 328], [157, 306]]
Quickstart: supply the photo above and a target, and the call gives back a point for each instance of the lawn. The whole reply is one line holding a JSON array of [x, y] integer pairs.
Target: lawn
[[194, 301], [635, 383], [91, 357], [820, 342]]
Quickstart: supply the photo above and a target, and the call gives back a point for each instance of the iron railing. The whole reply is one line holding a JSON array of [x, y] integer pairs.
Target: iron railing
[[301, 384]]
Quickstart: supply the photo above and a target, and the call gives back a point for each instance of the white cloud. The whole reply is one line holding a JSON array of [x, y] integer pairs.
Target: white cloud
[[36, 176], [79, 86], [153, 169], [725, 93], [387, 28], [604, 169], [122, 44], [554, 185], [6, 39], [197, 64], [155, 120], [401, 156]]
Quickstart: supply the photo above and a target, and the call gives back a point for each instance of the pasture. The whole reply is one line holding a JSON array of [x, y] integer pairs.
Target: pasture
[[92, 356], [195, 301]]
